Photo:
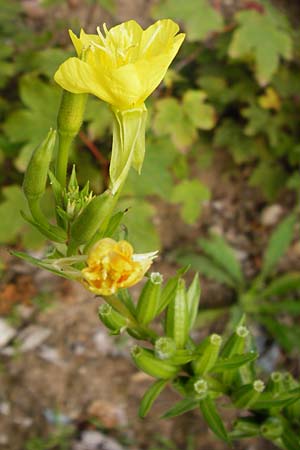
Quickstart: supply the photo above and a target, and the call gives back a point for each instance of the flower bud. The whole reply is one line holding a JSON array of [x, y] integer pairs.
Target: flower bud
[[71, 113], [149, 299], [248, 394], [236, 342], [146, 361], [90, 220], [35, 178], [164, 348], [177, 318], [201, 388], [111, 318], [209, 355], [272, 428]]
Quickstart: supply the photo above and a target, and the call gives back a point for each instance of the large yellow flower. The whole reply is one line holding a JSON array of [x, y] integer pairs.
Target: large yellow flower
[[112, 265], [123, 65]]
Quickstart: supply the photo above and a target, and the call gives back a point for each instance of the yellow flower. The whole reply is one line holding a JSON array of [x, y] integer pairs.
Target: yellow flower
[[112, 266], [123, 65], [270, 99]]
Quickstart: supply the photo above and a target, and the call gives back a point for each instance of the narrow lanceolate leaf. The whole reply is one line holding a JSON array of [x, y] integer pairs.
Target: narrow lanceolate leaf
[[150, 396], [185, 405], [206, 267], [285, 306], [193, 299], [267, 400], [290, 439], [213, 419], [234, 362], [168, 293], [283, 285], [222, 254], [279, 243]]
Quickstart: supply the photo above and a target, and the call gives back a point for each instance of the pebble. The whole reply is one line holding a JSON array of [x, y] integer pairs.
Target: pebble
[[271, 215], [32, 337], [7, 333], [110, 415], [94, 440], [51, 355], [103, 343]]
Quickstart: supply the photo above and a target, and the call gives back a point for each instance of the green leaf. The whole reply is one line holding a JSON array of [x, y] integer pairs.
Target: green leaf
[[282, 285], [150, 396], [47, 61], [290, 439], [213, 419], [183, 406], [268, 177], [202, 115], [199, 18], [160, 154], [263, 37], [11, 221], [291, 307], [30, 124], [171, 119], [205, 266], [223, 255], [267, 400], [139, 222], [279, 242], [193, 299], [234, 362], [286, 335], [191, 194]]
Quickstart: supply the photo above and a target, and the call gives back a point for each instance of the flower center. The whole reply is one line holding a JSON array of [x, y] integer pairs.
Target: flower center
[[119, 46]]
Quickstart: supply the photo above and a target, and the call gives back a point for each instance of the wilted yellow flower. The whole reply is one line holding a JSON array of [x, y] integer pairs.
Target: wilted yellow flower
[[123, 65], [270, 99], [112, 266]]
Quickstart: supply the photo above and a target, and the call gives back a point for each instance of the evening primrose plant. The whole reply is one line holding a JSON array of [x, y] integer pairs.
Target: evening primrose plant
[[122, 66]]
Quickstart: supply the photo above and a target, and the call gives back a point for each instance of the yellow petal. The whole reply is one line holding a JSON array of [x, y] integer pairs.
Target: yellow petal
[[79, 77], [156, 37]]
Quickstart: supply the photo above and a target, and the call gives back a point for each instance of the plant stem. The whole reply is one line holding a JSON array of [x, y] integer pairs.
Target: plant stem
[[62, 158]]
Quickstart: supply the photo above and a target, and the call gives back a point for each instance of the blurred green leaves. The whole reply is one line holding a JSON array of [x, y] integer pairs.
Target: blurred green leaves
[[199, 18]]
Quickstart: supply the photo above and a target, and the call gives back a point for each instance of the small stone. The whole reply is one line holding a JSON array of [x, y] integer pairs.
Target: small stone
[[109, 414], [102, 343], [51, 355], [94, 440], [5, 408], [32, 337], [6, 333], [271, 215]]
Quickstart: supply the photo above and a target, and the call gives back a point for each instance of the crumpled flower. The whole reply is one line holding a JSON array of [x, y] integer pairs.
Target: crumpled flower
[[123, 65], [112, 265]]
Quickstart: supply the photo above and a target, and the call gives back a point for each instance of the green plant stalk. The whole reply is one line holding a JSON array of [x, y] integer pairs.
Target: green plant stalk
[[62, 158]]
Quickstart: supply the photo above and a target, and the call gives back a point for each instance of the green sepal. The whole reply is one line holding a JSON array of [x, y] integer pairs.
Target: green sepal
[[247, 395], [193, 300], [213, 419], [245, 428], [177, 319], [145, 360], [150, 396], [209, 355], [148, 301], [111, 319], [272, 428]]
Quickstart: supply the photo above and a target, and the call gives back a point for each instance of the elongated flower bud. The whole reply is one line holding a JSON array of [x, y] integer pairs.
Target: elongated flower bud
[[149, 299], [209, 355], [272, 428], [35, 178], [236, 342], [71, 113], [90, 220], [247, 395], [111, 318], [177, 320], [146, 361]]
